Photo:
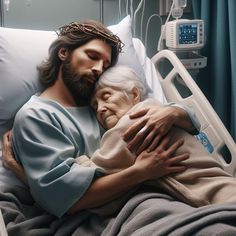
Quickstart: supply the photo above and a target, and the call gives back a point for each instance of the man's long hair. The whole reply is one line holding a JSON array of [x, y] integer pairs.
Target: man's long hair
[[72, 36]]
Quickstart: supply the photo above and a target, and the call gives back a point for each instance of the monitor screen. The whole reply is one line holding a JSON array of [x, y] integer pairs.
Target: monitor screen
[[188, 33]]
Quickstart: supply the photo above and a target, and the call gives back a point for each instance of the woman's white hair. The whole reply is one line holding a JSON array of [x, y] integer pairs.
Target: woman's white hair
[[122, 78]]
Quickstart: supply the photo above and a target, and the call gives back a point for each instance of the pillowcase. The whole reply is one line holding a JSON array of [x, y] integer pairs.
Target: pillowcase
[[149, 68], [20, 53], [128, 56]]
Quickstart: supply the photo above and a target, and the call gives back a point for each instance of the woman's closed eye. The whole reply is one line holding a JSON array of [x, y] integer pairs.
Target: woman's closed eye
[[106, 96], [100, 99]]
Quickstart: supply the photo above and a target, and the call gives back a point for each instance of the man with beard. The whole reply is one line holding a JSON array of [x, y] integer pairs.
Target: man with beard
[[55, 127]]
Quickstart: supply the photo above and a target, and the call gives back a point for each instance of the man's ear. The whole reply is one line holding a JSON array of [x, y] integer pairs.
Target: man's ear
[[63, 54], [136, 95]]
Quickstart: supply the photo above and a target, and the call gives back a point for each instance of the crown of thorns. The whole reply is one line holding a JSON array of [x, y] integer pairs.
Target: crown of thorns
[[90, 29]]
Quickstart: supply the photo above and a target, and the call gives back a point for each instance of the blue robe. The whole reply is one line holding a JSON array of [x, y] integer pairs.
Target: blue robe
[[46, 140]]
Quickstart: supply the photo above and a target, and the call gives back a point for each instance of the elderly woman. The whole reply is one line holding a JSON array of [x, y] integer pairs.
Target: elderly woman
[[119, 93]]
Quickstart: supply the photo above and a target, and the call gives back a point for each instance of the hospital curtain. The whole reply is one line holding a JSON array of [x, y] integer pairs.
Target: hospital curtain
[[218, 79]]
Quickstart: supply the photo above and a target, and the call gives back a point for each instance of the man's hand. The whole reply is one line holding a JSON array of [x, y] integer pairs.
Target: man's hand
[[161, 161], [155, 122], [148, 166], [9, 160], [7, 155]]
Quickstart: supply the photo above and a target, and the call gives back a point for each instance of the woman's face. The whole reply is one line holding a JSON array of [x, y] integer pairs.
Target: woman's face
[[110, 105]]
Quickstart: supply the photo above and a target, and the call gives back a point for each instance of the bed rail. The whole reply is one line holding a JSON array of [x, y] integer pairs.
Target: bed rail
[[211, 125]]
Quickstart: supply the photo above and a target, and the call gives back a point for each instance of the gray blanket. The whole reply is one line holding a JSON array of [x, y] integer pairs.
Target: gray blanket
[[144, 212]]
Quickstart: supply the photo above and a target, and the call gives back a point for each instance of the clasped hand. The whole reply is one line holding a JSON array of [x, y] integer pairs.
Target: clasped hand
[[146, 133], [9, 160], [162, 160]]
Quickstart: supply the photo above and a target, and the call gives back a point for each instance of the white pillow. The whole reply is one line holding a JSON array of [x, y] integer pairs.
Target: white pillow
[[150, 71], [20, 53], [128, 55]]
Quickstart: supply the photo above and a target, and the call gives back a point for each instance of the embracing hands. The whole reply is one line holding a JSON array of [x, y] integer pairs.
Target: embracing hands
[[9, 160], [7, 155], [147, 132], [161, 161]]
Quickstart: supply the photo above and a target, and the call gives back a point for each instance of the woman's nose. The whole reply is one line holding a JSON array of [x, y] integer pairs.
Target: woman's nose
[[101, 108]]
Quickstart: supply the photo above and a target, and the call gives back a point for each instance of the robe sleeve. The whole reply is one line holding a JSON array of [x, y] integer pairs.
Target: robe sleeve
[[47, 155]]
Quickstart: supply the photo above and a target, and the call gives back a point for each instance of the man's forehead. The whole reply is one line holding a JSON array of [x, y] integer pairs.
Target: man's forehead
[[101, 47], [98, 43]]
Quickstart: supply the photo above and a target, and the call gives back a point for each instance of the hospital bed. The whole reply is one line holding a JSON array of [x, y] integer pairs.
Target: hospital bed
[[164, 86]]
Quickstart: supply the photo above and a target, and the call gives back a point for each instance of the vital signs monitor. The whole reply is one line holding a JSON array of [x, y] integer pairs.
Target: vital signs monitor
[[184, 34]]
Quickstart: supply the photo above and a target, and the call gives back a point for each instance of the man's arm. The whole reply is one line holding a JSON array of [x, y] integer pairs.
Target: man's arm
[[160, 162], [155, 123], [192, 124]]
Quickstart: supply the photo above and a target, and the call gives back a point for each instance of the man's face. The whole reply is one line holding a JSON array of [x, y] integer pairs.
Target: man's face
[[82, 69]]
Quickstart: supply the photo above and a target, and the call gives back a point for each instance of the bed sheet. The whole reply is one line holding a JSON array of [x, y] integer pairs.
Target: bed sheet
[[147, 212]]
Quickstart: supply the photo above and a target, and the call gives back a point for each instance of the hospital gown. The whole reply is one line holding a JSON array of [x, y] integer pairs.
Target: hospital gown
[[46, 140]]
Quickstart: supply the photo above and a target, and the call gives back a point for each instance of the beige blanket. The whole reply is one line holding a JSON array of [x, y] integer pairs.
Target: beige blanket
[[204, 182]]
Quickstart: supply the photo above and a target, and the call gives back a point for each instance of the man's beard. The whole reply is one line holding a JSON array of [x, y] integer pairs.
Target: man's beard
[[78, 86]]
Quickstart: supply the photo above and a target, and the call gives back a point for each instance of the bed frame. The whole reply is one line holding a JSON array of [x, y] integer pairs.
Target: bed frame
[[222, 146]]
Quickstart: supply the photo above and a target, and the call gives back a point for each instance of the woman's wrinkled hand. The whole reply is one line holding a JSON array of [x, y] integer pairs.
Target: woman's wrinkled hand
[[147, 132]]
